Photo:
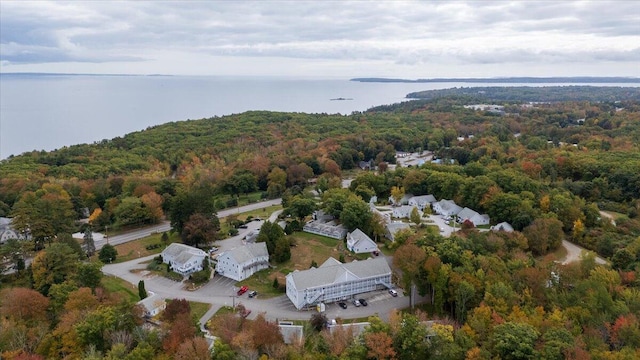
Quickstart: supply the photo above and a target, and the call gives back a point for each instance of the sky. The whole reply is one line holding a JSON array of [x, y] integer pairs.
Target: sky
[[342, 39]]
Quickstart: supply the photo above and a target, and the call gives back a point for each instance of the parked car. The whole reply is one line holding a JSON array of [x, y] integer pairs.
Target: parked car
[[243, 226], [363, 302], [356, 303], [342, 304], [253, 293], [242, 290], [376, 252], [393, 292]]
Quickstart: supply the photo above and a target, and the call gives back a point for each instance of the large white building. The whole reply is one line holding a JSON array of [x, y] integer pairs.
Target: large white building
[[334, 281], [183, 259], [243, 261], [359, 242], [473, 216]]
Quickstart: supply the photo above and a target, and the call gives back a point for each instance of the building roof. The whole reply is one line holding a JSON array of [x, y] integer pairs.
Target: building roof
[[394, 227], [425, 199], [334, 274], [447, 205], [152, 302], [181, 251], [504, 226], [359, 238], [248, 252], [466, 214]]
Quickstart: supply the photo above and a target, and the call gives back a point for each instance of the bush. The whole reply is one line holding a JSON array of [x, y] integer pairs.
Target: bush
[[108, 254], [153, 246], [201, 277]]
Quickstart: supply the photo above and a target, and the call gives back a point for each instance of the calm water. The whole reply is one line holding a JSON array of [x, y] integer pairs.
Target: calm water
[[49, 112]]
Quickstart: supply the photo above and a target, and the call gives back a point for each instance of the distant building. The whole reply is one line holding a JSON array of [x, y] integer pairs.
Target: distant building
[[359, 242], [503, 226], [7, 231], [422, 201], [183, 259], [243, 261], [391, 229], [152, 305], [446, 207], [323, 224], [404, 211], [334, 281], [471, 215]]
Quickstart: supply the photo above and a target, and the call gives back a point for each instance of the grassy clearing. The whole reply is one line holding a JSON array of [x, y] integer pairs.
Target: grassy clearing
[[263, 213], [138, 248], [198, 309], [308, 248], [116, 285]]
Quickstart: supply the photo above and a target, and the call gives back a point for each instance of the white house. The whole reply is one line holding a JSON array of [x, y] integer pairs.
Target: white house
[[183, 259], [359, 242], [446, 207], [152, 305], [7, 232], [404, 211], [393, 228], [422, 201], [403, 201], [471, 215], [243, 261], [503, 226], [334, 281]]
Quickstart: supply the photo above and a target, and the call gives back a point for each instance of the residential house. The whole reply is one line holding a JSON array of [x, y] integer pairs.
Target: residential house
[[243, 261], [7, 231], [471, 215], [403, 201], [422, 201], [328, 229], [359, 242], [367, 165], [503, 226], [404, 211], [391, 229], [446, 207], [183, 259], [334, 281], [152, 305]]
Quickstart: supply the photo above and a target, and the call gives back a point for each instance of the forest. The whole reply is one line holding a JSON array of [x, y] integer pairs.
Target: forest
[[558, 163]]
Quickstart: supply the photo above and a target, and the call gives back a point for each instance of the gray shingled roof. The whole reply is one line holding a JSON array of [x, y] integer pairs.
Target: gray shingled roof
[[247, 252], [332, 274], [176, 251]]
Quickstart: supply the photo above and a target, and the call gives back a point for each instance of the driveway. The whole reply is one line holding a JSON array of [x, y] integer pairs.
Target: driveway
[[574, 252]]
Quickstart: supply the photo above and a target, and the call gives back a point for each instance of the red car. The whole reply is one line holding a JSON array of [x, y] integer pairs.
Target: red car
[[243, 290]]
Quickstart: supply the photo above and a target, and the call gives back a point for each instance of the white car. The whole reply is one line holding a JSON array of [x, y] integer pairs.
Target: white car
[[393, 292], [356, 303]]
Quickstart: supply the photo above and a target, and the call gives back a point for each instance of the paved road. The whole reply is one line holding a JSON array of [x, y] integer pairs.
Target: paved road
[[166, 226], [574, 252]]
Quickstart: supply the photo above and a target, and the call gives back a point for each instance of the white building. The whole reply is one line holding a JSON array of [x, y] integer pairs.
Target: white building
[[328, 229], [152, 305], [243, 261], [7, 232], [359, 242], [446, 207], [473, 216], [422, 201], [183, 259], [391, 229], [404, 211], [334, 281], [403, 201], [503, 226]]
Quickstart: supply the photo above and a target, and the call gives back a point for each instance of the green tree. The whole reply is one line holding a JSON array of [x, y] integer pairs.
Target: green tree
[[301, 207], [356, 214], [131, 211], [271, 234], [142, 292], [89, 244], [53, 266], [89, 275], [515, 341], [415, 216], [277, 182], [44, 214], [397, 193], [108, 254], [544, 235]]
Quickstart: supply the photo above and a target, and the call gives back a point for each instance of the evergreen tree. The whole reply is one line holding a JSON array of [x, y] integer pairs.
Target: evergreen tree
[[142, 293], [90, 246], [108, 254]]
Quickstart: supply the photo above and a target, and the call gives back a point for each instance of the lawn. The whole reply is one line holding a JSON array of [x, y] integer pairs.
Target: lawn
[[116, 285], [198, 309], [308, 248], [138, 248]]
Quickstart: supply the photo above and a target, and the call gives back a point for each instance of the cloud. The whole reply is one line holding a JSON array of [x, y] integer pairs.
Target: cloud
[[393, 32]]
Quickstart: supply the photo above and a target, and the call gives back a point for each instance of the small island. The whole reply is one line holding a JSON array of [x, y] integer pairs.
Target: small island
[[341, 99]]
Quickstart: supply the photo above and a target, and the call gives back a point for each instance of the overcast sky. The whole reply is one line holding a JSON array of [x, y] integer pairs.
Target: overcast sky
[[423, 39]]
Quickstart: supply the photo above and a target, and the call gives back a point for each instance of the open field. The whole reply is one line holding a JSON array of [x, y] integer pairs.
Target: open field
[[116, 285], [138, 248]]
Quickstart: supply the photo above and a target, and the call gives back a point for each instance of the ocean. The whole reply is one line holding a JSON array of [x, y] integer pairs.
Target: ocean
[[47, 112]]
